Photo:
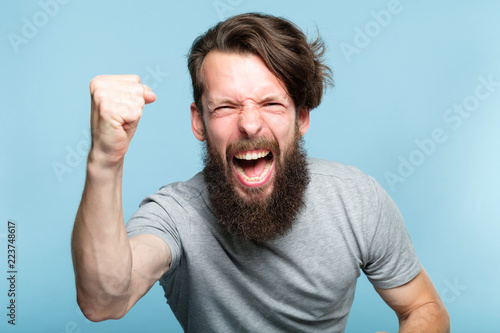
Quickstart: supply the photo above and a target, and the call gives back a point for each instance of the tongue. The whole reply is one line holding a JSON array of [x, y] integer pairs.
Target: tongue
[[253, 168]]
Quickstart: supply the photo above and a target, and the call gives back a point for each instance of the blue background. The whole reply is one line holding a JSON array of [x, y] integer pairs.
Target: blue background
[[393, 89]]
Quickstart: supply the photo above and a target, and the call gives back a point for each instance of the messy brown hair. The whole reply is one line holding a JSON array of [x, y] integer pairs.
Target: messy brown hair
[[282, 46]]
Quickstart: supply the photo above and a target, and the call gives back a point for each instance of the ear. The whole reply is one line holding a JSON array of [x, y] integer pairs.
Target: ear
[[303, 120], [197, 123]]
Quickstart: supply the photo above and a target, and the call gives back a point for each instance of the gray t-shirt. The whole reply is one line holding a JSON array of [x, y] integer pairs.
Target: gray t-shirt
[[301, 282]]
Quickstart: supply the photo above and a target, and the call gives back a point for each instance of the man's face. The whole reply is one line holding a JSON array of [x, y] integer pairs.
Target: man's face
[[248, 116]]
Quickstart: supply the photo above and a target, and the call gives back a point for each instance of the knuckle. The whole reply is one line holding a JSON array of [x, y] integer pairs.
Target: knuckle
[[106, 109], [99, 95], [139, 101], [137, 90], [136, 104], [136, 78], [135, 112], [95, 82], [138, 114]]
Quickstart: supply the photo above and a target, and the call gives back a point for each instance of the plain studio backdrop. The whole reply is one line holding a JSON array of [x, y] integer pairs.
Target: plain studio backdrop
[[416, 105]]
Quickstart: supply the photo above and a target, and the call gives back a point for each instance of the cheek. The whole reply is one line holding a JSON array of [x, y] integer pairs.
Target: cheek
[[283, 129], [218, 142]]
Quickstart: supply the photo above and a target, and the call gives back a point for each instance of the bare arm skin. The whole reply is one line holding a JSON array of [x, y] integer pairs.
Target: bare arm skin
[[112, 272], [418, 306]]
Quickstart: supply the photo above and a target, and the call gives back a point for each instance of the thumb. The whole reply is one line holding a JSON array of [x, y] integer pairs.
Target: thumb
[[149, 95]]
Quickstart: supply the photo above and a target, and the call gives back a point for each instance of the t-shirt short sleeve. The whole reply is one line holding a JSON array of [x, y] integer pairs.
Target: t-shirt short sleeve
[[153, 218], [392, 260]]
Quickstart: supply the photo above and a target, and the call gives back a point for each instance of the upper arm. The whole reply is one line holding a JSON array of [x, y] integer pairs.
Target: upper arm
[[151, 258], [406, 298]]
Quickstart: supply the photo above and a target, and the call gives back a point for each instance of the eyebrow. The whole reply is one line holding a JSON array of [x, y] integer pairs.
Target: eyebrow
[[215, 101]]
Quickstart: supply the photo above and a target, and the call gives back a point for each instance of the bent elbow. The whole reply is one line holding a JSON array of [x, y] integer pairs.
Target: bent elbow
[[446, 319], [95, 313]]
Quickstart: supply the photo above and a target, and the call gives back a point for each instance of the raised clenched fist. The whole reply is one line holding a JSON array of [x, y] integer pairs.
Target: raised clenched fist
[[117, 103]]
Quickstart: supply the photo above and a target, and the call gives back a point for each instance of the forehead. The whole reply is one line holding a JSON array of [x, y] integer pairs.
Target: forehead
[[239, 77]]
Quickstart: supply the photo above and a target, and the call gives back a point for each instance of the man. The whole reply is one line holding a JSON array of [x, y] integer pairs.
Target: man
[[264, 239]]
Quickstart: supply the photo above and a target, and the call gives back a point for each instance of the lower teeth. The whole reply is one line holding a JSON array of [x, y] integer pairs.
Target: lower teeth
[[257, 178]]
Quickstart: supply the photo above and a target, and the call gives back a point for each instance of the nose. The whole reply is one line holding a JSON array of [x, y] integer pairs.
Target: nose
[[250, 121]]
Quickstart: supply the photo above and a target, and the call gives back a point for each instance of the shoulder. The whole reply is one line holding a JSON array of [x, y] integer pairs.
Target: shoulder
[[337, 172], [179, 194], [345, 184], [192, 188]]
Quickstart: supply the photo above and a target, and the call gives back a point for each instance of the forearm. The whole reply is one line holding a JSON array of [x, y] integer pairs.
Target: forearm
[[100, 247], [430, 317]]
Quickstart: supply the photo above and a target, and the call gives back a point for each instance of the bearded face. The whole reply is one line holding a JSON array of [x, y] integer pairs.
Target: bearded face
[[255, 166], [256, 215]]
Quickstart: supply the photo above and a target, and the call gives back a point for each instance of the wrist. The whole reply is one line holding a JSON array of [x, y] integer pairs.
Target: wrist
[[100, 164]]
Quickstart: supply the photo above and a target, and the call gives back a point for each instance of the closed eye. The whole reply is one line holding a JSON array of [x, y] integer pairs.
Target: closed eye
[[224, 110], [272, 106]]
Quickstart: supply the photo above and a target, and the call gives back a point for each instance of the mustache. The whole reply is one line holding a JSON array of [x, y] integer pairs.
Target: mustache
[[253, 144]]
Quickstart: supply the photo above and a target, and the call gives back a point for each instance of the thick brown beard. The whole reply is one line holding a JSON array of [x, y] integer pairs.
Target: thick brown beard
[[254, 218]]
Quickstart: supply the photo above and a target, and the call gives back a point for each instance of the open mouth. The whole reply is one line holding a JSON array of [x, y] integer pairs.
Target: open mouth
[[253, 167]]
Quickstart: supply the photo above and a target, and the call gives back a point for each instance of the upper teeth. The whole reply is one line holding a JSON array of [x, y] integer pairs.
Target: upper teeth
[[251, 156]]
